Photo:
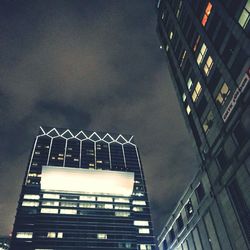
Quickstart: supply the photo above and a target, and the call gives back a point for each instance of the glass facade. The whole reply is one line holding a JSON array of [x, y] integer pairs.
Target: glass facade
[[83, 190], [206, 43]]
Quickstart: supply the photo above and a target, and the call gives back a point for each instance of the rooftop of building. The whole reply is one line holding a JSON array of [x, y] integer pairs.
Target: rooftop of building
[[82, 134]]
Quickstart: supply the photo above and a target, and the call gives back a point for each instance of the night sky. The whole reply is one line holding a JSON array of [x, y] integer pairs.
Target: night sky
[[94, 65]]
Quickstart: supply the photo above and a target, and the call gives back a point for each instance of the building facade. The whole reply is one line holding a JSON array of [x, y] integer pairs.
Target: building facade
[[4, 243], [83, 190], [207, 49]]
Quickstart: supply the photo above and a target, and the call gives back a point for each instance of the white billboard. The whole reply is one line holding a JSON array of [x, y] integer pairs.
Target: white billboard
[[77, 180]]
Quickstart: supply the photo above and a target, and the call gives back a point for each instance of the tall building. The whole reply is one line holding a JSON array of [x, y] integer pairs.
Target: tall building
[[206, 43], [4, 242], [83, 190]]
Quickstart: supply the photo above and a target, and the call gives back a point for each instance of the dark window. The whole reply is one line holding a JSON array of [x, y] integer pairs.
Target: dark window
[[194, 130], [191, 32], [165, 245], [201, 106], [189, 209], [229, 48], [199, 7], [171, 235], [179, 222], [175, 37], [240, 134], [186, 69], [238, 64], [186, 25], [200, 192], [233, 6], [215, 78], [221, 34], [222, 159], [178, 49], [214, 22]]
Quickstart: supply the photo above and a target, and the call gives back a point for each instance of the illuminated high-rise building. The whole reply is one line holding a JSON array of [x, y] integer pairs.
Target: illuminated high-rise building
[[206, 43], [83, 190]]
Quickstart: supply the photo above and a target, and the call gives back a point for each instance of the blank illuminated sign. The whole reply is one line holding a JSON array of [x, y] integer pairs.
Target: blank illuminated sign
[[87, 181]]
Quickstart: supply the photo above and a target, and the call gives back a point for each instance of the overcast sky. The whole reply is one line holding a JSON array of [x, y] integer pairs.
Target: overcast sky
[[93, 65]]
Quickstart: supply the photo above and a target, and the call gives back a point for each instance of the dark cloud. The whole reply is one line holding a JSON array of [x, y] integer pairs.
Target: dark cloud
[[94, 65]]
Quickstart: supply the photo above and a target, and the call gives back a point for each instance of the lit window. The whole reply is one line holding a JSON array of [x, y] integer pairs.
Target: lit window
[[87, 198], [139, 194], [49, 211], [68, 204], [50, 203], [102, 236], [34, 175], [68, 211], [207, 124], [31, 197], [91, 164], [30, 204], [98, 161], [122, 207], [208, 65], [141, 223], [206, 14], [51, 196], [167, 48], [137, 209], [189, 84], [183, 57], [184, 97], [37, 153], [24, 235], [108, 206], [142, 203], [144, 231], [245, 15], [87, 205], [60, 235], [188, 109], [202, 54], [51, 235], [145, 247], [179, 10], [105, 199], [223, 94], [171, 35], [196, 92], [122, 200], [122, 214]]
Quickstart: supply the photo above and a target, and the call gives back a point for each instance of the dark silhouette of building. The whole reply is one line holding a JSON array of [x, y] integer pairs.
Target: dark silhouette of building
[[83, 190], [207, 49]]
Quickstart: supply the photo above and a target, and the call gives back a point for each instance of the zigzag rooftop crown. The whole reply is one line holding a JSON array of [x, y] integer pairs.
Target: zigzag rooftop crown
[[82, 135]]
